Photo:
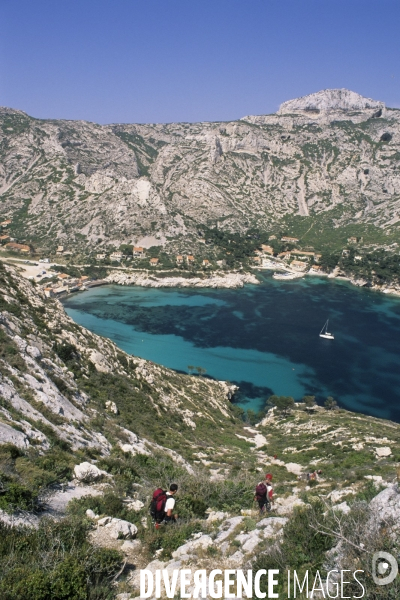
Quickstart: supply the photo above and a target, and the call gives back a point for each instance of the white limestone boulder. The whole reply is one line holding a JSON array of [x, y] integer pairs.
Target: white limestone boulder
[[86, 472], [121, 530]]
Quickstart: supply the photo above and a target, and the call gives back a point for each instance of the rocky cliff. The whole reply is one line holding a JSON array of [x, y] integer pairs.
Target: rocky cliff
[[332, 156]]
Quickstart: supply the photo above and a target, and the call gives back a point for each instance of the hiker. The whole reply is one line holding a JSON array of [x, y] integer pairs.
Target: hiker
[[170, 504], [264, 493], [162, 505]]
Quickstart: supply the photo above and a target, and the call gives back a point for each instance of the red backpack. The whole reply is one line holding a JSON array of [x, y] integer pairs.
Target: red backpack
[[157, 505], [261, 490]]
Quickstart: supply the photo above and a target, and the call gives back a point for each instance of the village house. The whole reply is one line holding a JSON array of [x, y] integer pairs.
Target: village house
[[83, 279], [60, 250], [190, 258], [63, 276], [18, 247], [138, 251], [154, 262], [298, 265], [116, 255], [256, 259], [267, 249], [5, 223], [284, 255], [4, 239], [48, 292], [100, 256], [272, 237], [292, 240], [179, 259], [316, 268], [206, 263]]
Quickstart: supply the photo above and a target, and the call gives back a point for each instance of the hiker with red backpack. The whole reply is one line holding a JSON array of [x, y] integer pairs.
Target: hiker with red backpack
[[163, 504], [264, 493]]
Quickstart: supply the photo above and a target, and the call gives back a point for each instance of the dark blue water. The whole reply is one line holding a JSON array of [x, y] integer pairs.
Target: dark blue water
[[264, 338]]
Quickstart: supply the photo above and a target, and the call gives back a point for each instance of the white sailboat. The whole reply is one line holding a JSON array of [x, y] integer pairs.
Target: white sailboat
[[325, 333]]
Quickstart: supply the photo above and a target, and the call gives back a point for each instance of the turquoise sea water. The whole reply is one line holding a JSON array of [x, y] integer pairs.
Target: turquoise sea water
[[263, 337]]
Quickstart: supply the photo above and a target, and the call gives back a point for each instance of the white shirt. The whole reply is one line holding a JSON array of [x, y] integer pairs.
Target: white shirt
[[170, 503]]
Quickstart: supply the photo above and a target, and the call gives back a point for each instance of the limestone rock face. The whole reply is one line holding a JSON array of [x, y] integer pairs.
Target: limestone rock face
[[330, 100], [386, 505], [332, 153]]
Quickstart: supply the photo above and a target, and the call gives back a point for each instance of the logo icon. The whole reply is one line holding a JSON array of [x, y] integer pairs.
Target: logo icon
[[384, 568]]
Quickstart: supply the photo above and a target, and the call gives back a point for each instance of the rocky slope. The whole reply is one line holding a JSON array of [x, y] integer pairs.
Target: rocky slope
[[332, 156], [88, 429]]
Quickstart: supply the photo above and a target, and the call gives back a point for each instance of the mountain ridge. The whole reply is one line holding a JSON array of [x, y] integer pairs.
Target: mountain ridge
[[76, 182]]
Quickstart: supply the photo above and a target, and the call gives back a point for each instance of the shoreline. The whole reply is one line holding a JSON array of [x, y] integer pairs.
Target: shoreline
[[219, 280]]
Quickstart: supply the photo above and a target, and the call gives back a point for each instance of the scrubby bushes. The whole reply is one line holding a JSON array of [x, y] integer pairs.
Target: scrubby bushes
[[55, 562]]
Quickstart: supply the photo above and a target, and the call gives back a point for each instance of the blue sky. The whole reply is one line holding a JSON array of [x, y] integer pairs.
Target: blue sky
[[188, 60]]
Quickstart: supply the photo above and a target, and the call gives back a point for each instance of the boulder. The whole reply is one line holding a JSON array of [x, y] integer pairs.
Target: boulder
[[136, 505], [104, 521], [131, 546], [111, 407], [120, 529], [217, 516], [343, 507], [90, 514], [383, 451], [386, 505], [87, 472]]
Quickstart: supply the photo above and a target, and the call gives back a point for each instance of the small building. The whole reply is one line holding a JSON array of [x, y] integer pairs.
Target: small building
[[206, 263], [179, 259], [63, 276], [190, 258], [18, 247], [272, 237], [286, 238], [4, 239], [352, 240], [316, 268], [358, 258], [116, 255], [60, 250], [345, 252], [154, 262], [284, 255], [202, 240], [298, 265], [59, 290], [5, 223], [83, 279], [67, 253], [100, 256], [303, 253], [138, 251], [267, 249]]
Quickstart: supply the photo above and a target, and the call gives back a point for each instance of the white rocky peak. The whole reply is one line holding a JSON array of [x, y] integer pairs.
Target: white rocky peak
[[330, 100]]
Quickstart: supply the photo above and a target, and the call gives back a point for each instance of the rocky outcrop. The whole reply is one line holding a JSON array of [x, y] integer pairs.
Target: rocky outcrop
[[331, 100]]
